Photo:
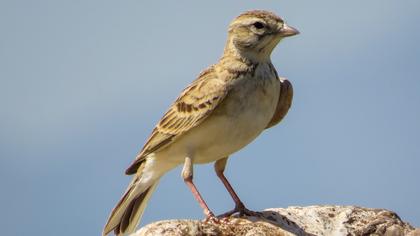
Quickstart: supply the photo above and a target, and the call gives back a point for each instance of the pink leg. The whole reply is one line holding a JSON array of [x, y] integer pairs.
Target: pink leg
[[219, 167], [200, 200], [187, 175]]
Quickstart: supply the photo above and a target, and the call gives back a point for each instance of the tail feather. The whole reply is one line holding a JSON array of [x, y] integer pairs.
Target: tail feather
[[118, 211], [126, 215], [130, 221]]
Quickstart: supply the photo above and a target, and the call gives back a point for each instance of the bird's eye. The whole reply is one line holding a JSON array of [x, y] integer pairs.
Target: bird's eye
[[258, 25]]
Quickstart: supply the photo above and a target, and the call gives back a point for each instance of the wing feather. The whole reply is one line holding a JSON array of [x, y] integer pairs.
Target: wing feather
[[284, 102], [191, 108]]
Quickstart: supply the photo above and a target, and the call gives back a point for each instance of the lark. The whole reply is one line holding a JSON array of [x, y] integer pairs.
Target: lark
[[223, 110]]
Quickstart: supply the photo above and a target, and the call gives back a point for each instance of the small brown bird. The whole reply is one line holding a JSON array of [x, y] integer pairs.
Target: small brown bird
[[223, 110]]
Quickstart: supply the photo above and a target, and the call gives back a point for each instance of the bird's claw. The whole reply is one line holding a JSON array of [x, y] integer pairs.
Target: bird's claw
[[211, 218], [246, 212], [242, 210]]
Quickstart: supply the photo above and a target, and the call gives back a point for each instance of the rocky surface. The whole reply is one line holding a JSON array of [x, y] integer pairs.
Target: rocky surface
[[311, 220]]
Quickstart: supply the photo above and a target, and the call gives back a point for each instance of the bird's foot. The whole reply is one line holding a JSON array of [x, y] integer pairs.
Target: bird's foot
[[242, 210], [211, 218]]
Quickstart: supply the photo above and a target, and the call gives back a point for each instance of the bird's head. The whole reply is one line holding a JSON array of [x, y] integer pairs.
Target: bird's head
[[254, 34]]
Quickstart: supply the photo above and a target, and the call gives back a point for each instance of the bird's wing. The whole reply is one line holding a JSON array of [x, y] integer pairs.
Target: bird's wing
[[191, 108], [284, 103]]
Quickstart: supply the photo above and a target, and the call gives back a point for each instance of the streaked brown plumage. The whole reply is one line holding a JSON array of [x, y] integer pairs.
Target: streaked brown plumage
[[223, 110]]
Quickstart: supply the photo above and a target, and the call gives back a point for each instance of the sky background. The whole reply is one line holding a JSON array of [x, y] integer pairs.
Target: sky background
[[82, 83]]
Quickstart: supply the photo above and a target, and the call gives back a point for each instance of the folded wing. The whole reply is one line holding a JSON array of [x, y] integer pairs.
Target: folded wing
[[284, 103], [191, 108]]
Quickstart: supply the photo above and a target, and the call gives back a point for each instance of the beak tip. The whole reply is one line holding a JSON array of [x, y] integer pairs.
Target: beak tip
[[287, 31]]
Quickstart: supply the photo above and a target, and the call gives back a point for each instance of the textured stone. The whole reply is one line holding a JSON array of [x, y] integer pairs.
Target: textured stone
[[301, 221]]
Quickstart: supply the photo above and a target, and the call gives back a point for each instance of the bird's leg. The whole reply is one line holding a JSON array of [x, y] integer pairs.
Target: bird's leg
[[219, 167], [187, 175]]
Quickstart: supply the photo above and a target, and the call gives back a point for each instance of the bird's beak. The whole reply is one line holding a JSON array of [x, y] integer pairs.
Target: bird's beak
[[287, 31]]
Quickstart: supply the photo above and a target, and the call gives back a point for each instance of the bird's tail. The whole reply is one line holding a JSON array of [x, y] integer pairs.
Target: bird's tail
[[127, 213]]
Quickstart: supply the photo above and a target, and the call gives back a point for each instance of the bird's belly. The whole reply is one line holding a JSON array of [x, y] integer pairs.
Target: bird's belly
[[225, 136], [238, 121]]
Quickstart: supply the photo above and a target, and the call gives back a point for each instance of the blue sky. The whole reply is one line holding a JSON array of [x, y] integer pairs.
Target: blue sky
[[78, 98]]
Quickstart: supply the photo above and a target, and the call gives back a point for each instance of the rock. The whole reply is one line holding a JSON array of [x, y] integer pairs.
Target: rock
[[299, 221]]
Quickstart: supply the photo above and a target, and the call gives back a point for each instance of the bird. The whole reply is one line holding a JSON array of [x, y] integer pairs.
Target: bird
[[224, 109]]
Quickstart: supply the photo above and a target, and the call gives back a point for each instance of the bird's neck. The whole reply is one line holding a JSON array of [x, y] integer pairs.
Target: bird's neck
[[233, 66], [253, 56]]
